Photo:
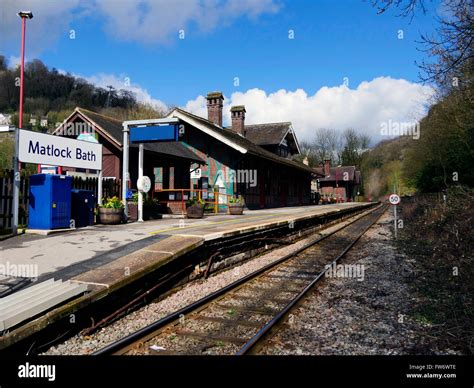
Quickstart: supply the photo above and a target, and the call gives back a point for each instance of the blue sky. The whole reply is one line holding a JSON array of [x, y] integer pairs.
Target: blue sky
[[138, 41]]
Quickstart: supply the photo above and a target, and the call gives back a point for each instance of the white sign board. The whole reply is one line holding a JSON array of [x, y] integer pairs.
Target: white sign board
[[39, 148], [394, 199], [196, 173]]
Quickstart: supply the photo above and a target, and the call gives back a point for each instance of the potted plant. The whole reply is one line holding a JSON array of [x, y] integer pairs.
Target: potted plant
[[195, 208], [111, 211], [236, 205]]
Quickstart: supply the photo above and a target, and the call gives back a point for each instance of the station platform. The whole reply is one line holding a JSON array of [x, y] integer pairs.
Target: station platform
[[106, 258], [68, 254]]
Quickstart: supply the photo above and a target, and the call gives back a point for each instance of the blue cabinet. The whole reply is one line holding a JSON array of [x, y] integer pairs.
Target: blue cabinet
[[83, 205], [50, 201]]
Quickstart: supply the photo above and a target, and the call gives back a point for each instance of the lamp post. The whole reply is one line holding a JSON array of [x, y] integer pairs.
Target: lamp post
[[23, 15], [16, 163]]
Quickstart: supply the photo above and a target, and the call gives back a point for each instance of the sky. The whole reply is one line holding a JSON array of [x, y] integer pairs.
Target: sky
[[316, 63]]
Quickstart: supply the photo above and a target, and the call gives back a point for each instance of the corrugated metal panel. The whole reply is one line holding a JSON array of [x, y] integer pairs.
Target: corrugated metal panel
[[33, 300]]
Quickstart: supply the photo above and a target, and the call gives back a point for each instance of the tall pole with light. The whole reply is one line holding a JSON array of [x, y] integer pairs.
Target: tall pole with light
[[16, 163], [23, 15]]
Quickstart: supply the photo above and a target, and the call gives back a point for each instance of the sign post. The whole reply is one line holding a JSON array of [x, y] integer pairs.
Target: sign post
[[139, 132], [40, 148], [16, 183], [394, 199]]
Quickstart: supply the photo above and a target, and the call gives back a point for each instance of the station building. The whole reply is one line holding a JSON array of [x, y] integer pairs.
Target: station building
[[342, 182], [255, 161]]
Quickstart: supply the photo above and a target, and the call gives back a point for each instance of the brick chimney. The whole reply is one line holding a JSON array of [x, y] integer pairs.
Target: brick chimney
[[327, 167], [238, 119], [215, 101]]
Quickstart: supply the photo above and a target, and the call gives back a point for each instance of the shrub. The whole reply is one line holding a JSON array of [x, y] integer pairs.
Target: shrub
[[195, 201], [113, 203], [237, 200]]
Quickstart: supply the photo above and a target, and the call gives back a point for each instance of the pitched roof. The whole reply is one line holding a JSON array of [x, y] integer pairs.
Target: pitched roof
[[235, 140], [112, 128], [266, 134], [338, 173]]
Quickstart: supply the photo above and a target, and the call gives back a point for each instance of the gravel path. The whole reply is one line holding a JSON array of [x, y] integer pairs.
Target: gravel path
[[348, 316], [146, 315]]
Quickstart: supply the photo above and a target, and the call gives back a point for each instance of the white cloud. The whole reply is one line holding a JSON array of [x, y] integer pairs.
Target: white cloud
[[50, 20], [364, 108], [123, 82], [14, 61], [143, 21], [156, 21]]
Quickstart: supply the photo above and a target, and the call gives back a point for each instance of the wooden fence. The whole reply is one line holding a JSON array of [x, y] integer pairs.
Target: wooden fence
[[110, 188], [6, 199]]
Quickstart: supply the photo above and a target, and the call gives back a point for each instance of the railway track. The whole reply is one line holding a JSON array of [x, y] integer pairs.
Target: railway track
[[236, 318]]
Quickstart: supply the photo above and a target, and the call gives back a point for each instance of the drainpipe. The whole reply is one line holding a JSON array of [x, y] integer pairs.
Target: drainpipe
[[125, 173]]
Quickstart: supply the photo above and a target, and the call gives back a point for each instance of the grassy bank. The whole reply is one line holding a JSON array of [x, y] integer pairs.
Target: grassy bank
[[438, 235]]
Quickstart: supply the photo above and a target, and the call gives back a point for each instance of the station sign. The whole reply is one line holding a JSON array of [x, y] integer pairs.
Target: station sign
[[40, 148], [153, 133]]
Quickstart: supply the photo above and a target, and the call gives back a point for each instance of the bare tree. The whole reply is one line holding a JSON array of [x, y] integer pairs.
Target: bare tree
[[325, 144], [452, 45], [407, 7]]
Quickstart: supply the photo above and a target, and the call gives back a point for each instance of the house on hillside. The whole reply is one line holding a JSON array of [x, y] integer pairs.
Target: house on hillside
[[342, 182]]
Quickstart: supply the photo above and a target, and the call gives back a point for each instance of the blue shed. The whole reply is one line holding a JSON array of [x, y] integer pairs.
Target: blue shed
[[50, 201]]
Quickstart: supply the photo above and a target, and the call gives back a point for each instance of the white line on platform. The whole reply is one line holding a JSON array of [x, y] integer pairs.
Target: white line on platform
[[154, 251], [91, 283]]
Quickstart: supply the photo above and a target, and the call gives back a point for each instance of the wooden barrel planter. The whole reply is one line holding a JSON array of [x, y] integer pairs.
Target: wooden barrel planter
[[236, 209], [110, 216], [195, 211]]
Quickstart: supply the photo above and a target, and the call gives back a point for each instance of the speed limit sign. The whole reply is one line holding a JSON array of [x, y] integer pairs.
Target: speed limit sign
[[394, 199]]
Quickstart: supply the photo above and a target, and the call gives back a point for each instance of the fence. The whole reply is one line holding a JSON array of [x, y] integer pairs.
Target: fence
[[175, 199], [6, 199], [110, 188]]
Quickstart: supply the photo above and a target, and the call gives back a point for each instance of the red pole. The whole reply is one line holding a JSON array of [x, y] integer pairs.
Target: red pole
[[22, 70]]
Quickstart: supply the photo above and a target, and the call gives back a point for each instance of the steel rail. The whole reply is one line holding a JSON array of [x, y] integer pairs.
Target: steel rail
[[126, 341], [262, 333]]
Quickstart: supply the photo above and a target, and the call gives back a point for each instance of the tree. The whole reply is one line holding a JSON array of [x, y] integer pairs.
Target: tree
[[3, 63], [326, 143], [354, 145], [452, 45], [307, 151]]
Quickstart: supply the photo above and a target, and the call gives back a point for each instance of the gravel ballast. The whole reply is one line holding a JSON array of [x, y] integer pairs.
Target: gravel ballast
[[359, 315], [79, 344]]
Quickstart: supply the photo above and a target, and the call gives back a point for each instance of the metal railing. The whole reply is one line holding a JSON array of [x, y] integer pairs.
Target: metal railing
[[213, 199]]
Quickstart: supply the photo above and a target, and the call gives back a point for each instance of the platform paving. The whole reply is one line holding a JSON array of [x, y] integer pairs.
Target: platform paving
[[68, 254]]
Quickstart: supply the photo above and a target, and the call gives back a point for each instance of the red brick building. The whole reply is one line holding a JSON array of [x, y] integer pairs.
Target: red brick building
[[342, 182]]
